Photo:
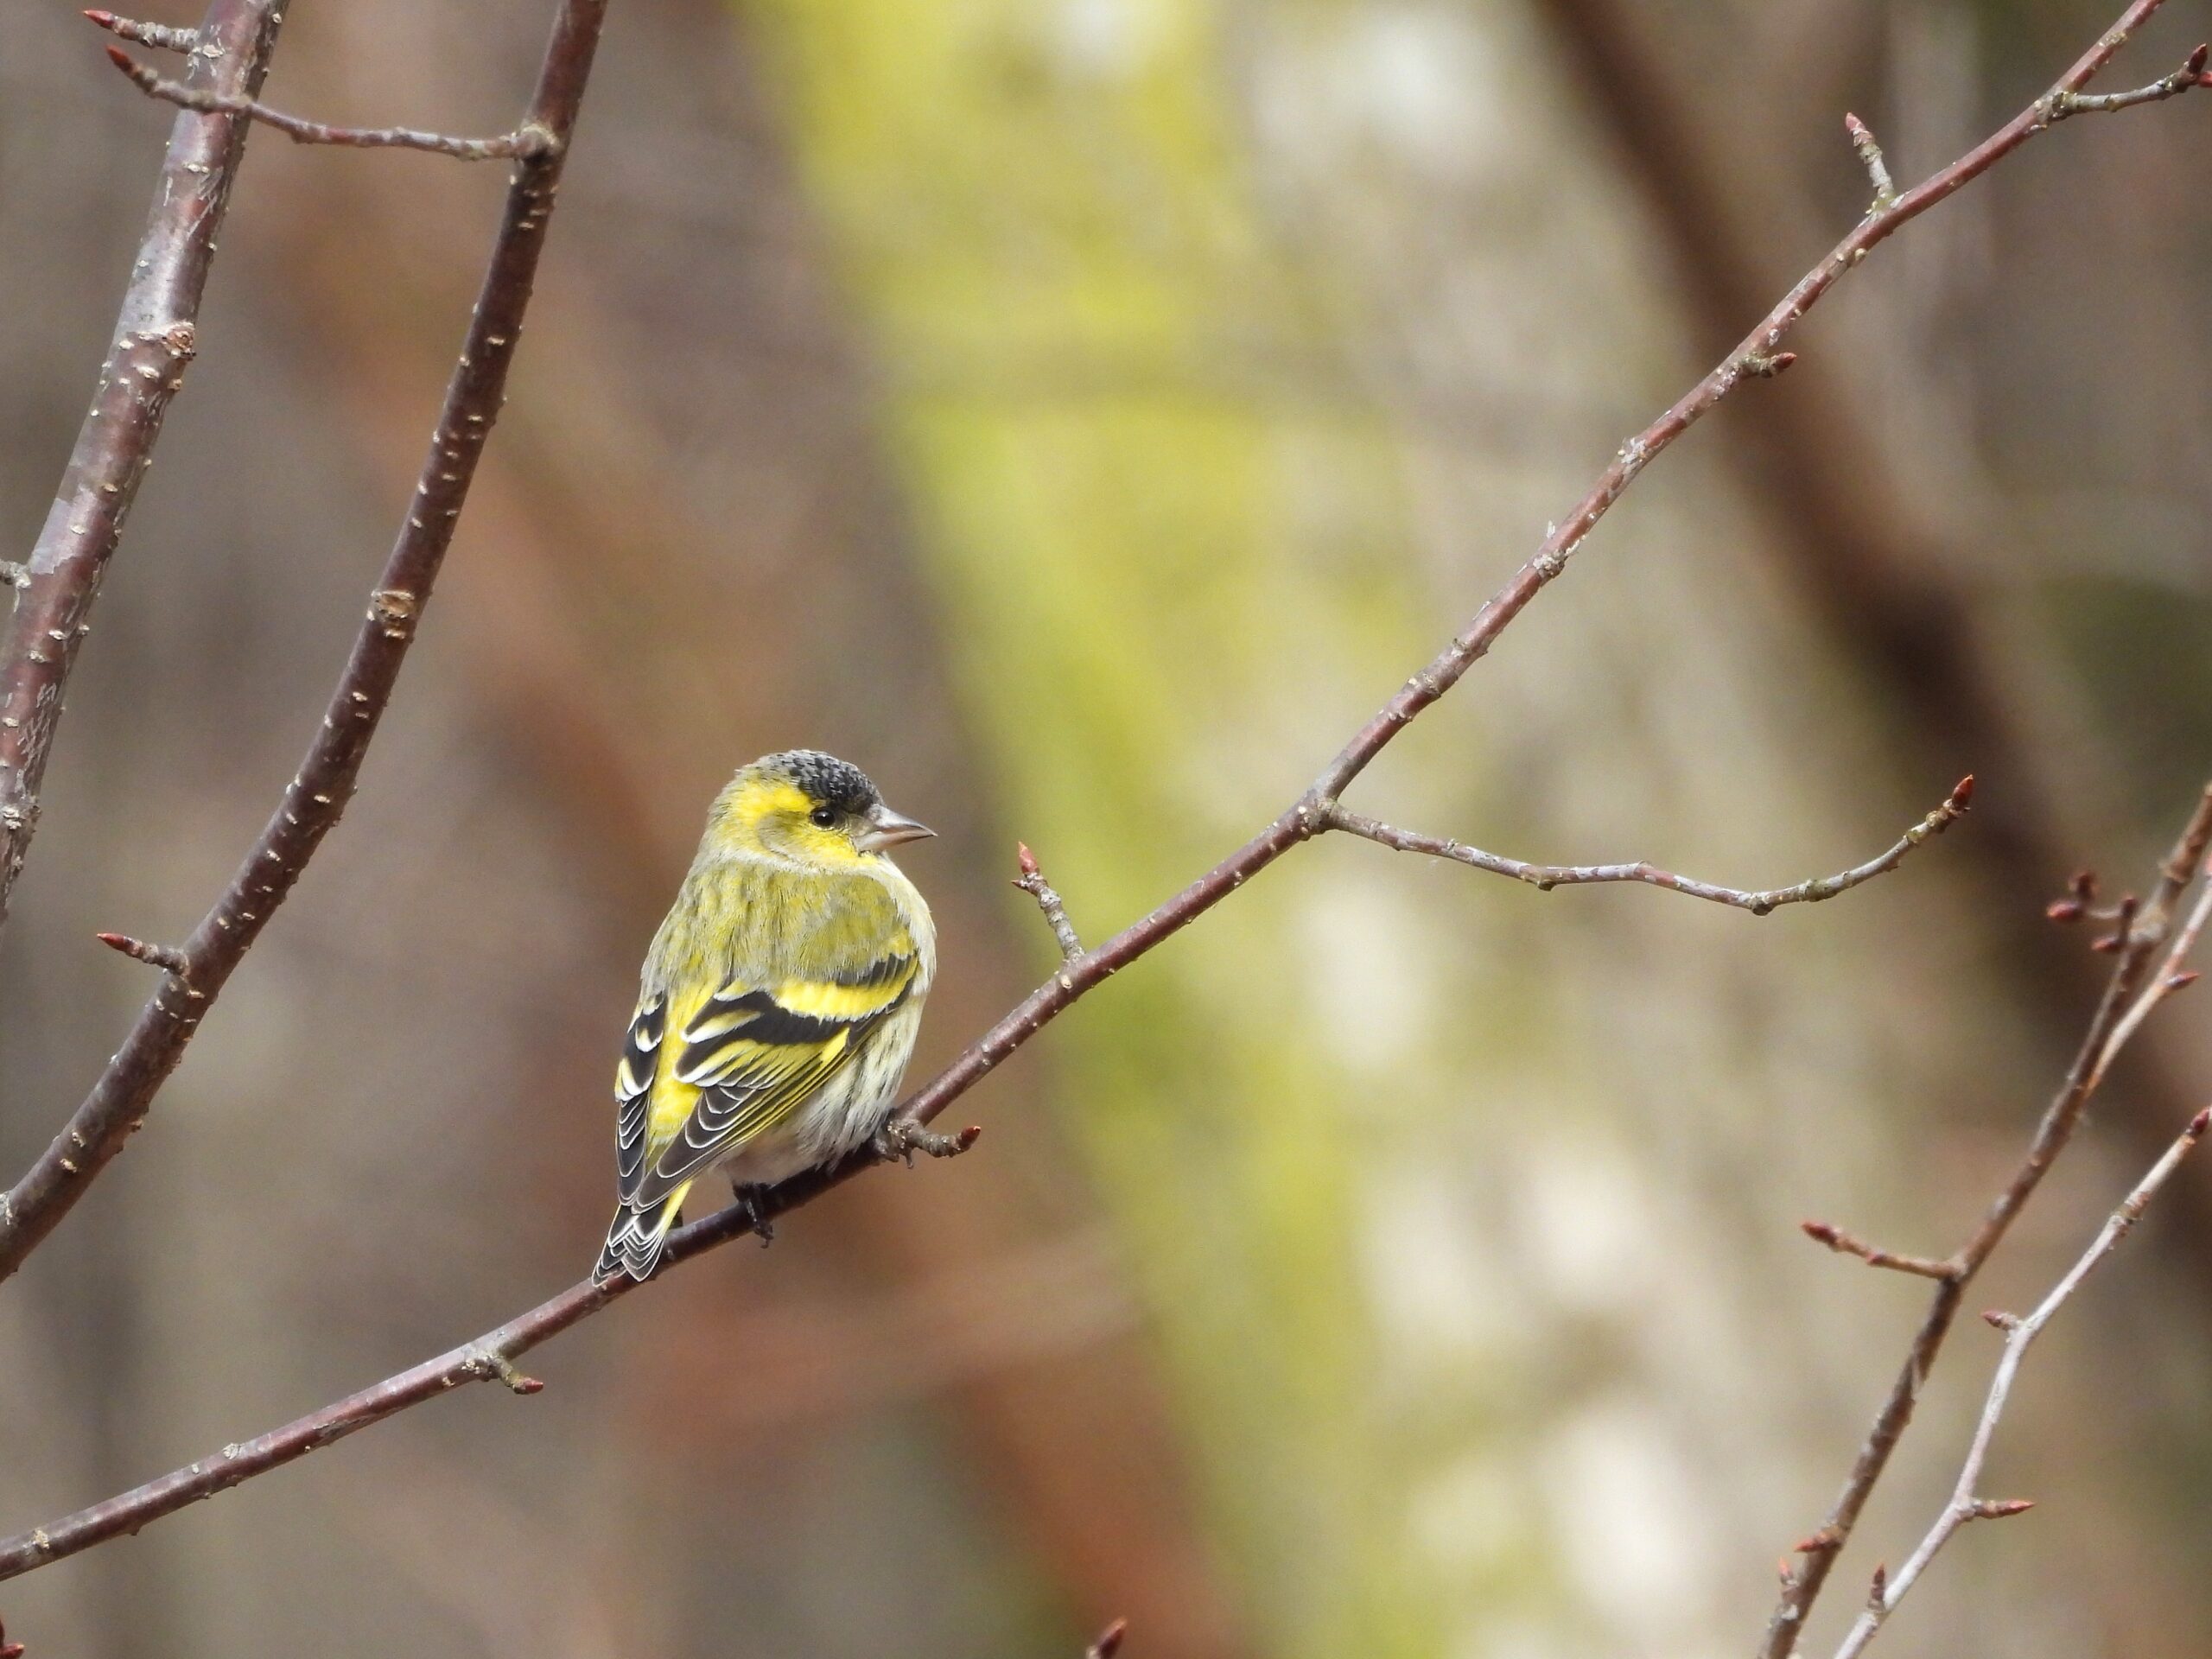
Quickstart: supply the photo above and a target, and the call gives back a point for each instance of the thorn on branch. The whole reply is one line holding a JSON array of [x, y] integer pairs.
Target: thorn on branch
[[1878, 168], [1108, 1645], [526, 143], [1032, 882], [167, 958], [161, 36], [1843, 1244]]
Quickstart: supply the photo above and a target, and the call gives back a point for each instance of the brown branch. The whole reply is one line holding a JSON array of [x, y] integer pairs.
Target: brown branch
[[1034, 883], [2141, 938], [161, 36], [528, 142], [1843, 1244], [317, 795], [1545, 877], [154, 335], [1109, 1641], [1306, 817], [1965, 1505]]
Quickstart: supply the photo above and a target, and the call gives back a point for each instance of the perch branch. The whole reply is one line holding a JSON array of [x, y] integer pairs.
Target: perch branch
[[527, 141], [2141, 934], [1300, 822], [156, 333], [1034, 883], [1545, 877], [1966, 1504], [313, 802]]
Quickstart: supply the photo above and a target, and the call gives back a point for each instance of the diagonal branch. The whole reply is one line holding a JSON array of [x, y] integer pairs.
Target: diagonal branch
[[317, 795], [1545, 877], [1966, 1506], [156, 333], [1306, 817], [527, 140]]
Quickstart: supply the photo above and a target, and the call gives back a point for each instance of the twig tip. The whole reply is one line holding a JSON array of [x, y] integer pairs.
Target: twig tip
[[1026, 859], [2200, 1125], [1109, 1641], [1963, 796]]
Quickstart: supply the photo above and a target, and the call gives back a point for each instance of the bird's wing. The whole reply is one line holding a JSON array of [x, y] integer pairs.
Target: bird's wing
[[729, 1066]]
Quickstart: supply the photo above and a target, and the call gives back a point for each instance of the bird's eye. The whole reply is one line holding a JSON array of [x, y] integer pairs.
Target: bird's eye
[[822, 817]]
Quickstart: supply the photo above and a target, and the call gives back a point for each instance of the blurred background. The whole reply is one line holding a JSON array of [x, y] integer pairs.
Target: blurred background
[[1082, 414]]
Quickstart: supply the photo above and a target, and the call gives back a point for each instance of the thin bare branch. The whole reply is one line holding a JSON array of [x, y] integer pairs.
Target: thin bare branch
[[2141, 937], [167, 958], [161, 36], [1870, 157], [1109, 1641], [1034, 883], [317, 795], [528, 142], [1845, 1243], [1307, 816], [1545, 877], [1965, 1505], [2062, 103], [156, 333]]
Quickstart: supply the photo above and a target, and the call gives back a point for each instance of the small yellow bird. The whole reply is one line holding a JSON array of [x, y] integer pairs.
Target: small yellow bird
[[779, 1004]]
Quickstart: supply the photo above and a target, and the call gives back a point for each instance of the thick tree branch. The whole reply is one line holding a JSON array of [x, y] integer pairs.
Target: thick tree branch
[[2141, 933], [1966, 1504], [155, 334], [526, 140], [1306, 817], [317, 795], [1545, 877]]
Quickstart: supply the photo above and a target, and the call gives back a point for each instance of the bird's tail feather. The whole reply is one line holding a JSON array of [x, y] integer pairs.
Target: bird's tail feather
[[633, 1243]]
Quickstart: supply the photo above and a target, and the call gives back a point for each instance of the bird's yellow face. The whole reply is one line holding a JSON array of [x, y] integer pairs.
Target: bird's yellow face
[[812, 808]]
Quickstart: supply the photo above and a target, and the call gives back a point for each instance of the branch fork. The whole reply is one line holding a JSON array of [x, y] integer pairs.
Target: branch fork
[[531, 140]]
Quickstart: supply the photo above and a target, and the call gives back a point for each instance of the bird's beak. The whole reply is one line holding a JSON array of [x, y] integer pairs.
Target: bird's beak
[[888, 829]]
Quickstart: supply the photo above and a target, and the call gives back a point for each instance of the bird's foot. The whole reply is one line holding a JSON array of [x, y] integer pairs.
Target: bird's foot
[[749, 1197], [902, 1137]]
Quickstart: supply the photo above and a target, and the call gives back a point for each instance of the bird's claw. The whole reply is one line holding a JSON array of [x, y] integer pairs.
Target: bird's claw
[[756, 1215]]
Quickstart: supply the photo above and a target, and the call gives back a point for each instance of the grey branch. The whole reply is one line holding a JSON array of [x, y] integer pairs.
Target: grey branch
[[526, 142], [161, 36], [2060, 105], [1034, 883], [1545, 877], [1878, 168], [1966, 1504]]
